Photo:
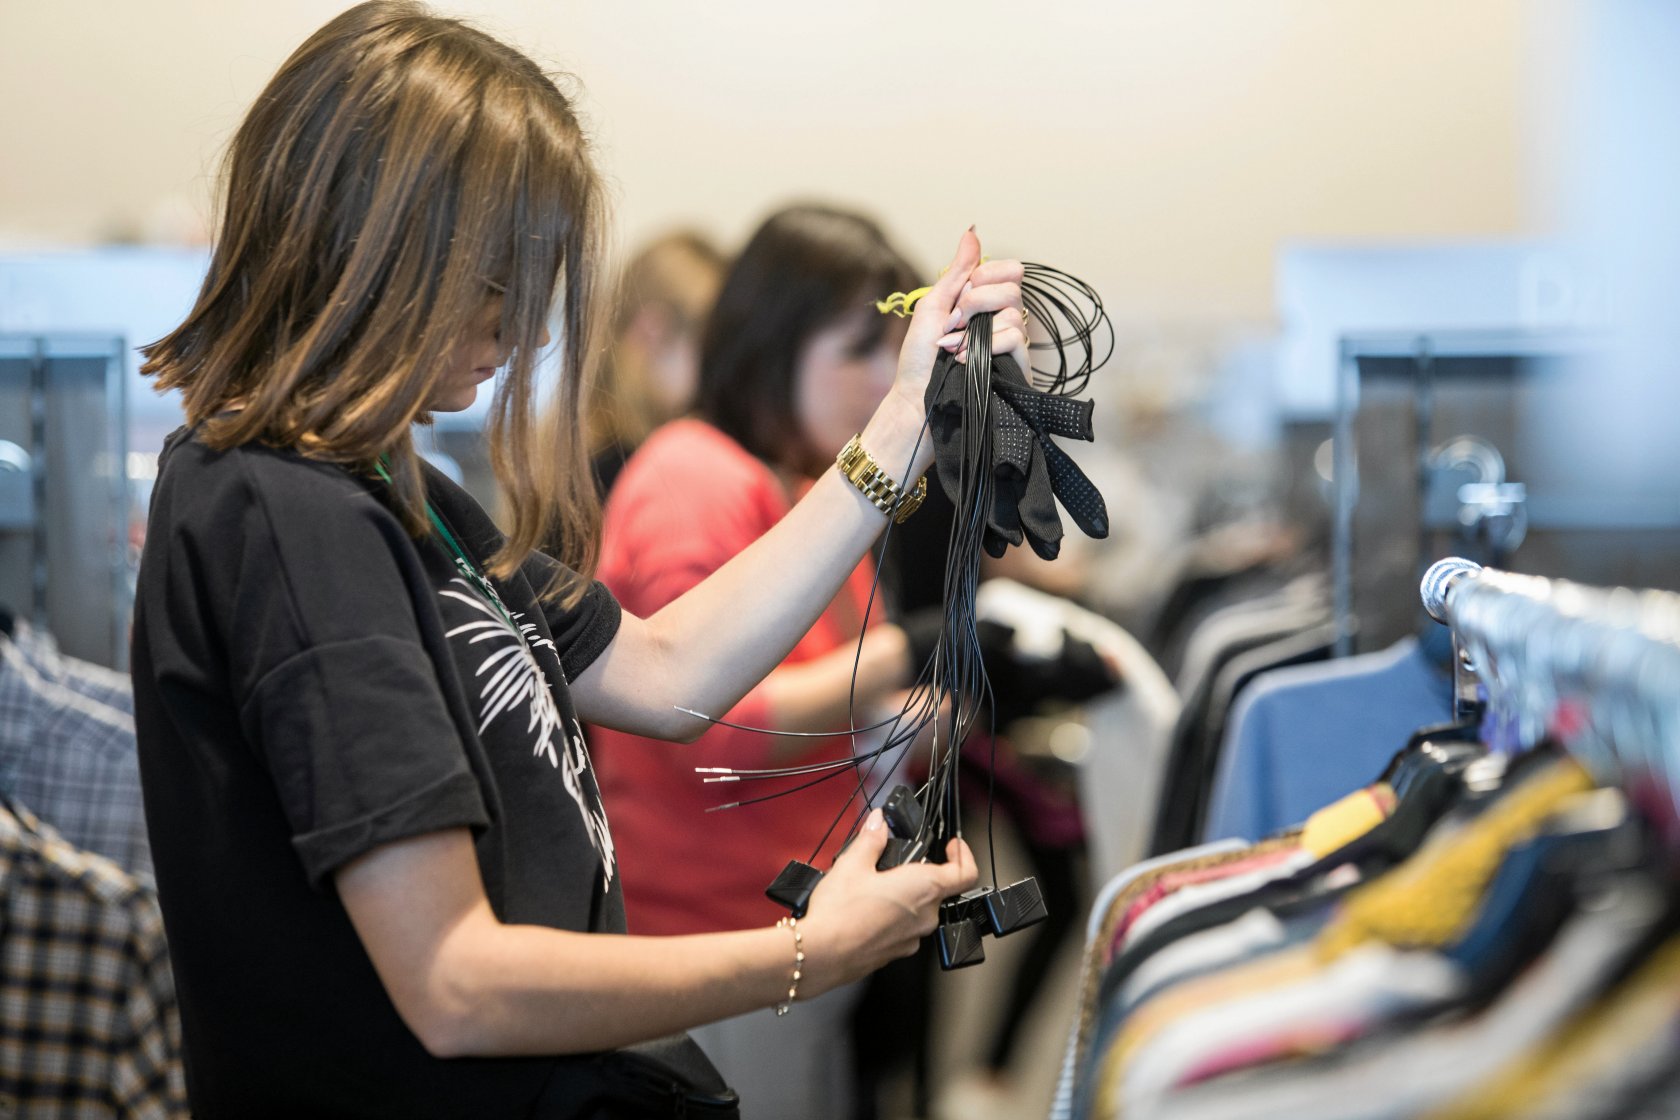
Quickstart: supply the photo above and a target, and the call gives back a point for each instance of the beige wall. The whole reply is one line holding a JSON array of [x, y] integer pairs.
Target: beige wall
[[1160, 148]]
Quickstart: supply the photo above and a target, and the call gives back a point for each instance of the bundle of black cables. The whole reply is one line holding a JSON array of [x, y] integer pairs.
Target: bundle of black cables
[[992, 426], [1003, 472]]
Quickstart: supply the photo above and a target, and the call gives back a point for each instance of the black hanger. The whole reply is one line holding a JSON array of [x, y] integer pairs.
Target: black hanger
[[1403, 768]]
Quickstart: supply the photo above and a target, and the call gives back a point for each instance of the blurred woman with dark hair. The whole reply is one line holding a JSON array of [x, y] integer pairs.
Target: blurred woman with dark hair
[[794, 360]]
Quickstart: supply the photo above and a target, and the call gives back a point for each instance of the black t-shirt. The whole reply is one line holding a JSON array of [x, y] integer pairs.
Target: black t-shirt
[[311, 682]]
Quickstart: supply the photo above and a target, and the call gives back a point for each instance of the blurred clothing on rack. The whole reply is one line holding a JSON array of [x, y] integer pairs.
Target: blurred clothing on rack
[[1490, 952], [1131, 735], [67, 749], [87, 1000], [1247, 623], [1127, 727], [1291, 626], [1304, 736], [96, 682]]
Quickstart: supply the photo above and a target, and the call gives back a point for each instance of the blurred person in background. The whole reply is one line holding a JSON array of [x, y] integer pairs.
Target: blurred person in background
[[651, 363], [793, 358]]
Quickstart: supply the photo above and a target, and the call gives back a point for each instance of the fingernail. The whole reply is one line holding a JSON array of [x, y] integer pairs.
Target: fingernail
[[971, 226], [954, 321], [872, 823]]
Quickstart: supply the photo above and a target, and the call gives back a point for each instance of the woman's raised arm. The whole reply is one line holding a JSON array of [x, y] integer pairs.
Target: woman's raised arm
[[707, 648]]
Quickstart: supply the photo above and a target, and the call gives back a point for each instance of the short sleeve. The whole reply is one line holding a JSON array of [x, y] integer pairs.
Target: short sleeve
[[361, 749], [583, 631], [335, 667]]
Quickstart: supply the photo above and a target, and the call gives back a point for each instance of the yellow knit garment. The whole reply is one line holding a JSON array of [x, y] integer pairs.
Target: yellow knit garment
[[1429, 900]]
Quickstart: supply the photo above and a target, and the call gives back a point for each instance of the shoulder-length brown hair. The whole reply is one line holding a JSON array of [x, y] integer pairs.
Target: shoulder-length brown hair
[[399, 173], [804, 268]]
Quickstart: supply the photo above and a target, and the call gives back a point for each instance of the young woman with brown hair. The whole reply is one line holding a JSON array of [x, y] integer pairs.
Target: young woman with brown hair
[[387, 881]]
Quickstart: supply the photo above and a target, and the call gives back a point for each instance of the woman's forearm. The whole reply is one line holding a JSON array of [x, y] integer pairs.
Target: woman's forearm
[[754, 609], [707, 648], [532, 990], [466, 984]]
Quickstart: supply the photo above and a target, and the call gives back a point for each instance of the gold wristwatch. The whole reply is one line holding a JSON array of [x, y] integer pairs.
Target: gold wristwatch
[[876, 484]]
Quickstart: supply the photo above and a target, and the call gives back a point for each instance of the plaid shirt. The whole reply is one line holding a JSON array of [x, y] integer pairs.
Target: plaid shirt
[[89, 1026], [96, 682], [69, 756]]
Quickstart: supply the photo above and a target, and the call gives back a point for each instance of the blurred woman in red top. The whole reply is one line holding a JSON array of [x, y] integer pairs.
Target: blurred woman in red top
[[794, 359]]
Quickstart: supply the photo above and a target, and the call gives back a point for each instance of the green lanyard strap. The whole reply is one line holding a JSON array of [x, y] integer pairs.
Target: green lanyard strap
[[465, 564]]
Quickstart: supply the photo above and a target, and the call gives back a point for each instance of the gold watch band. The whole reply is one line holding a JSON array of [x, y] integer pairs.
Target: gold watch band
[[883, 492]]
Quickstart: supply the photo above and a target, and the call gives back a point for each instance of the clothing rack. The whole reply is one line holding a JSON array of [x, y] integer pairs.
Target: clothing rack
[[1597, 667], [64, 500], [1397, 394]]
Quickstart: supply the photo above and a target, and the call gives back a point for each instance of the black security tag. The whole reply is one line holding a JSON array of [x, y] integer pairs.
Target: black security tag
[[1014, 907], [793, 887], [960, 945]]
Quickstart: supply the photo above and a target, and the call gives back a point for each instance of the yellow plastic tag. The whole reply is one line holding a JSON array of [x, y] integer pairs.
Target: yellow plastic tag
[[901, 303]]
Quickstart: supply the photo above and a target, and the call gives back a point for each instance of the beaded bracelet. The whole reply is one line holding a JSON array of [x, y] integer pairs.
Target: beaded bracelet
[[798, 963]]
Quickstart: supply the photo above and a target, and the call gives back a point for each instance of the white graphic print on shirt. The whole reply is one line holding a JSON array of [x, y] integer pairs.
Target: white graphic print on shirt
[[509, 678]]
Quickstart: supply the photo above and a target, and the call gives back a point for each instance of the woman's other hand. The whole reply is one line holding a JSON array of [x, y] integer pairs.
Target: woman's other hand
[[861, 918]]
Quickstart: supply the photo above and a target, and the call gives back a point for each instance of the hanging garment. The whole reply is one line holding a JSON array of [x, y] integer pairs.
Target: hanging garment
[[1197, 597], [1501, 942], [1303, 602], [1131, 731], [1211, 922], [89, 1025], [1607, 1054], [1091, 967], [1357, 834], [1118, 899], [96, 682], [1303, 736], [71, 759], [1383, 954], [1412, 1070], [1200, 730], [1129, 726]]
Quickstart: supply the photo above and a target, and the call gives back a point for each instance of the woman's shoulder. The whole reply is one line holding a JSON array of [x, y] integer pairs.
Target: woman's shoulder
[[197, 483], [691, 434], [185, 454]]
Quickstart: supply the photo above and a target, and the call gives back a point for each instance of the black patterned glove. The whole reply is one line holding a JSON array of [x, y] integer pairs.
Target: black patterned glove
[[1029, 472]]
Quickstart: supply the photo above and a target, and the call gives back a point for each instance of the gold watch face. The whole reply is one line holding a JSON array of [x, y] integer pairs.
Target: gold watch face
[[852, 459]]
